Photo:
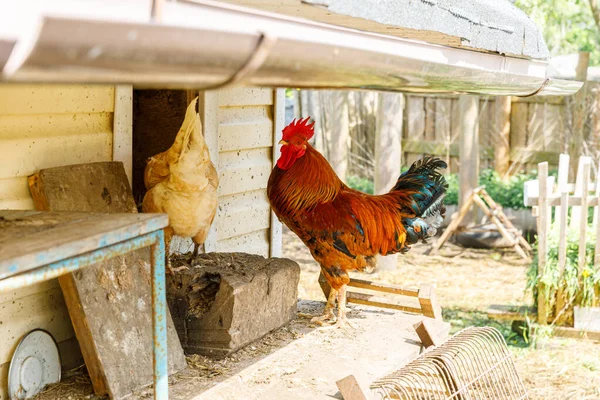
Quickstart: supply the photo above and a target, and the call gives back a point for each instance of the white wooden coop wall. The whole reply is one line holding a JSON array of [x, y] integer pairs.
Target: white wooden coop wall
[[245, 126], [43, 126]]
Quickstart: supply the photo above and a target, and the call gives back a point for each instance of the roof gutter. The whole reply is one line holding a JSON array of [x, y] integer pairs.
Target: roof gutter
[[204, 45]]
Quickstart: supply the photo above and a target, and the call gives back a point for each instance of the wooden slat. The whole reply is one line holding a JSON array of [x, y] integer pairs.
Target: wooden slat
[[382, 302], [42, 126], [46, 309], [469, 150], [122, 146], [416, 118], [443, 110], [430, 115], [53, 152], [562, 212], [18, 99], [382, 287], [518, 125], [244, 179], [278, 125], [241, 96], [501, 134], [243, 135], [542, 240], [580, 184], [583, 222], [253, 217], [14, 295], [256, 242], [510, 313]]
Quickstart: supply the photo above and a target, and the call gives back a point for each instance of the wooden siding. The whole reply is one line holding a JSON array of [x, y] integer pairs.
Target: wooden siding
[[239, 122], [43, 126]]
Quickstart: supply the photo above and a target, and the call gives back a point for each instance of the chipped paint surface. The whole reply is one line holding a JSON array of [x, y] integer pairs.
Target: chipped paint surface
[[159, 306]]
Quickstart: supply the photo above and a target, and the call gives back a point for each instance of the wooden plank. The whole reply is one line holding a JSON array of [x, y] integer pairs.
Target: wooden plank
[[525, 155], [415, 117], [38, 126], [430, 115], [208, 108], [568, 332], [580, 185], [351, 389], [563, 213], [583, 221], [18, 317], [382, 287], [253, 217], [276, 244], [256, 242], [535, 126], [542, 240], [109, 298], [469, 151], [579, 110], [244, 135], [53, 151], [510, 313], [122, 146], [243, 178], [242, 96], [501, 134], [432, 332], [14, 295], [443, 112], [382, 302], [553, 127], [518, 125], [428, 301], [18, 99]]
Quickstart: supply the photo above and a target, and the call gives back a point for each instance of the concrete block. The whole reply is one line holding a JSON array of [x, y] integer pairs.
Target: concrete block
[[225, 301]]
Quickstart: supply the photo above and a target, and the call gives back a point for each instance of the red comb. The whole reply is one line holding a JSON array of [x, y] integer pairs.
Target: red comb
[[300, 127]]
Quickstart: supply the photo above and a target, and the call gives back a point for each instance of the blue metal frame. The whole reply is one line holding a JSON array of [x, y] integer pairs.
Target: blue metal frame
[[155, 240]]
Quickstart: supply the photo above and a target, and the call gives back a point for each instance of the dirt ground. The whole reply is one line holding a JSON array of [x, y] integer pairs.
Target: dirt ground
[[467, 282]]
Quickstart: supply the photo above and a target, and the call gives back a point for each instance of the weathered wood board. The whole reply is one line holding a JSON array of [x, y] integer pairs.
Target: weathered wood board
[[110, 303]]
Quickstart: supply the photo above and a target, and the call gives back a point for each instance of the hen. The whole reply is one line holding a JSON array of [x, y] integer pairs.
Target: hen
[[343, 228], [182, 182]]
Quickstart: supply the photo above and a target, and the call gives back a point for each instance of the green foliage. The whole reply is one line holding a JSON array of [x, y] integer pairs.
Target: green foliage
[[508, 194], [579, 291], [567, 25], [364, 185]]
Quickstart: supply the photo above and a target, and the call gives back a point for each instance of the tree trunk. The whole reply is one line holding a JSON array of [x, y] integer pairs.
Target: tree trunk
[[469, 151], [388, 153]]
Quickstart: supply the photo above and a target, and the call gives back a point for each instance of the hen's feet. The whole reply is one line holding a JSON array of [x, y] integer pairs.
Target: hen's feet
[[324, 319]]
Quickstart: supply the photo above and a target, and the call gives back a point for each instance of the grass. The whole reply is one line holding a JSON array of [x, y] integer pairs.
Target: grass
[[467, 283]]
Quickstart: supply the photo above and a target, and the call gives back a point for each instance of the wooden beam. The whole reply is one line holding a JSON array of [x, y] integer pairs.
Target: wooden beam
[[579, 111], [276, 242], [351, 389], [382, 287], [469, 150]]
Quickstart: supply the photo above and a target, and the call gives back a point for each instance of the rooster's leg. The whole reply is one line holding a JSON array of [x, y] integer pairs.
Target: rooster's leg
[[342, 320], [328, 314]]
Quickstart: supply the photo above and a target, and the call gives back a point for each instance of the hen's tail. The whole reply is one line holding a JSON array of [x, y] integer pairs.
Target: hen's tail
[[426, 187]]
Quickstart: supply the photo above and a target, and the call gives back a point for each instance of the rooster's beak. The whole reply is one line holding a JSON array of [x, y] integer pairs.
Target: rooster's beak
[[283, 142]]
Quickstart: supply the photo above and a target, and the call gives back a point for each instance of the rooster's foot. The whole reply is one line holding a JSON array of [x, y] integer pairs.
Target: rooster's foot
[[340, 323], [325, 319]]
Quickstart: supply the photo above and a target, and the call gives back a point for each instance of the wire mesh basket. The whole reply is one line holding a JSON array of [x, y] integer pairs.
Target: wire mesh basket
[[474, 364]]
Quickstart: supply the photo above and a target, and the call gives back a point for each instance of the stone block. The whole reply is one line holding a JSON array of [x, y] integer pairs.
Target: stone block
[[225, 301]]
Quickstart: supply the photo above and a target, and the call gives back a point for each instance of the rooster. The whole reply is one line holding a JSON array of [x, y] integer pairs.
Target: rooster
[[343, 228], [182, 182]]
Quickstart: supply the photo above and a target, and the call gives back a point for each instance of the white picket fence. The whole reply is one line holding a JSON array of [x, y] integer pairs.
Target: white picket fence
[[552, 202]]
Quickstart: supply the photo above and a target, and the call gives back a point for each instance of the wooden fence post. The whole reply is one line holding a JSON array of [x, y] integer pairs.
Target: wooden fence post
[[469, 150], [388, 153], [340, 133], [579, 113], [501, 132]]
